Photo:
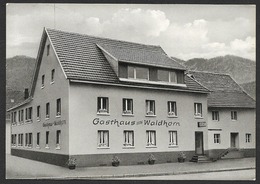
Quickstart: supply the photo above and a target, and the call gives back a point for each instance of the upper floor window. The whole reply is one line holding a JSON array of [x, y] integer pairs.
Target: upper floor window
[[43, 78], [48, 49], [103, 105], [103, 138], [233, 115], [151, 138], [127, 106], [47, 110], [217, 138], [30, 141], [47, 139], [128, 138], [198, 109], [172, 109], [215, 115], [52, 75], [13, 139], [173, 138], [167, 76], [28, 113], [38, 140], [248, 138], [137, 72], [15, 117], [58, 110], [150, 107], [38, 112]]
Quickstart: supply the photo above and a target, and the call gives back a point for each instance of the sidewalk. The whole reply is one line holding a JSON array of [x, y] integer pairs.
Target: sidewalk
[[24, 168]]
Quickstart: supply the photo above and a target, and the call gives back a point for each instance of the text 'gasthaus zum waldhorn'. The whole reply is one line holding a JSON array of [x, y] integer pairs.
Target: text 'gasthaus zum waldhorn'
[[118, 123]]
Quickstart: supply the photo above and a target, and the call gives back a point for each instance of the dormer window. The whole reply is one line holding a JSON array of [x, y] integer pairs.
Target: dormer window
[[167, 76], [137, 72]]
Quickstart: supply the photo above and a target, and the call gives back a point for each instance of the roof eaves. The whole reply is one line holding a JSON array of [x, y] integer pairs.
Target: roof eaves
[[20, 104], [198, 83]]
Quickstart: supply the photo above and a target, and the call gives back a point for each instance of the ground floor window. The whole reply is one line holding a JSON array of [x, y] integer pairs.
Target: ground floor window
[[20, 139], [58, 134], [13, 140], [248, 138], [128, 138], [173, 138], [103, 138], [217, 138], [30, 141], [47, 139], [151, 138], [38, 139]]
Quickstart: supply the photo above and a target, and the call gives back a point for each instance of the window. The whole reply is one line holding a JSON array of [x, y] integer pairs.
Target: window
[[52, 75], [48, 49], [233, 115], [150, 107], [38, 140], [58, 107], [20, 139], [248, 138], [43, 77], [47, 110], [128, 138], [103, 138], [28, 114], [167, 76], [103, 106], [30, 140], [47, 139], [215, 115], [58, 133], [26, 139], [172, 109], [38, 112], [151, 138], [198, 109], [127, 106], [13, 139], [22, 115], [217, 138], [173, 138], [137, 72], [15, 117]]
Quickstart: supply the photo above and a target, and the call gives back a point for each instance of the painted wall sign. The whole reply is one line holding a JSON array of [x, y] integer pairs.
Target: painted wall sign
[[118, 123], [202, 124], [55, 123]]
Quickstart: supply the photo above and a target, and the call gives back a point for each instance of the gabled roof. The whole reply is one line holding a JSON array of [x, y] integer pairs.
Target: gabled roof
[[225, 91]]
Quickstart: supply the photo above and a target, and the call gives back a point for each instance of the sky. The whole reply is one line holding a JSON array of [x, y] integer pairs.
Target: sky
[[183, 31]]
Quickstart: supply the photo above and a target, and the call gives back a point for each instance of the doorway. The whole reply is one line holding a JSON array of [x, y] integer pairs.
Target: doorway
[[234, 140], [199, 149]]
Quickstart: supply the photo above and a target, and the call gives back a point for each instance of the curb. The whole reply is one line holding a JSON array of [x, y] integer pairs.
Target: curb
[[141, 174]]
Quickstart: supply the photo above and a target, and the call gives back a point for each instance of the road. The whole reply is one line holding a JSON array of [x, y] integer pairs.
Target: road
[[227, 175]]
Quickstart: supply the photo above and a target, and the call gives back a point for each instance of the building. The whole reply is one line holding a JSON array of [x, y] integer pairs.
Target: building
[[231, 116], [93, 98]]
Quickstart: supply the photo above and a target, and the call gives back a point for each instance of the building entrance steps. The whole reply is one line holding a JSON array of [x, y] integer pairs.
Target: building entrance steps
[[200, 158]]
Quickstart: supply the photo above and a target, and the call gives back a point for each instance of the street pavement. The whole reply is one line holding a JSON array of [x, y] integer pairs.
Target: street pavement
[[17, 167]]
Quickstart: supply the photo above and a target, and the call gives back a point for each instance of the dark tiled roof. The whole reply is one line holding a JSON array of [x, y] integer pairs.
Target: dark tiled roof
[[225, 91], [16, 97], [145, 55], [83, 60]]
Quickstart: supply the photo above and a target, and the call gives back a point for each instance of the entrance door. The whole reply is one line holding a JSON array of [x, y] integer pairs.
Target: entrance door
[[199, 150], [234, 140]]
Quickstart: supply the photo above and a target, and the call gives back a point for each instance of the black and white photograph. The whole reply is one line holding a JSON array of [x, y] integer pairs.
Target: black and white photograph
[[130, 91]]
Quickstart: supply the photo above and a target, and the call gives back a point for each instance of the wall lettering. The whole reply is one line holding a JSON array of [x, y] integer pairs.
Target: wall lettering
[[55, 123]]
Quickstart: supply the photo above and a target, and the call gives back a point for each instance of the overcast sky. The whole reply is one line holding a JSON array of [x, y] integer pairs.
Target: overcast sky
[[183, 31]]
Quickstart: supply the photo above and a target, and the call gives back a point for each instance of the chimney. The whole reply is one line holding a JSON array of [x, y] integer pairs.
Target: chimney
[[26, 93]]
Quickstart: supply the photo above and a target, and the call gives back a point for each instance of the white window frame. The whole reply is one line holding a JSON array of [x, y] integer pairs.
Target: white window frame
[[127, 111], [43, 81], [215, 115], [148, 105], [30, 140], [103, 139], [217, 139], [234, 115], [150, 138], [248, 137], [134, 68], [128, 138], [103, 109], [197, 107], [172, 112], [173, 139]]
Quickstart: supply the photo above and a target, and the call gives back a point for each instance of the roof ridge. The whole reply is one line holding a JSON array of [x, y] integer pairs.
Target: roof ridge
[[215, 73], [70, 32]]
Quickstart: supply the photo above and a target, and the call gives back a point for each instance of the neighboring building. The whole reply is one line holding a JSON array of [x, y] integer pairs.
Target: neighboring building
[[93, 98], [231, 116]]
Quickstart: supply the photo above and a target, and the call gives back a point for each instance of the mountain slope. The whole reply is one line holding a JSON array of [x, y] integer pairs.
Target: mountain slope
[[241, 69]]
